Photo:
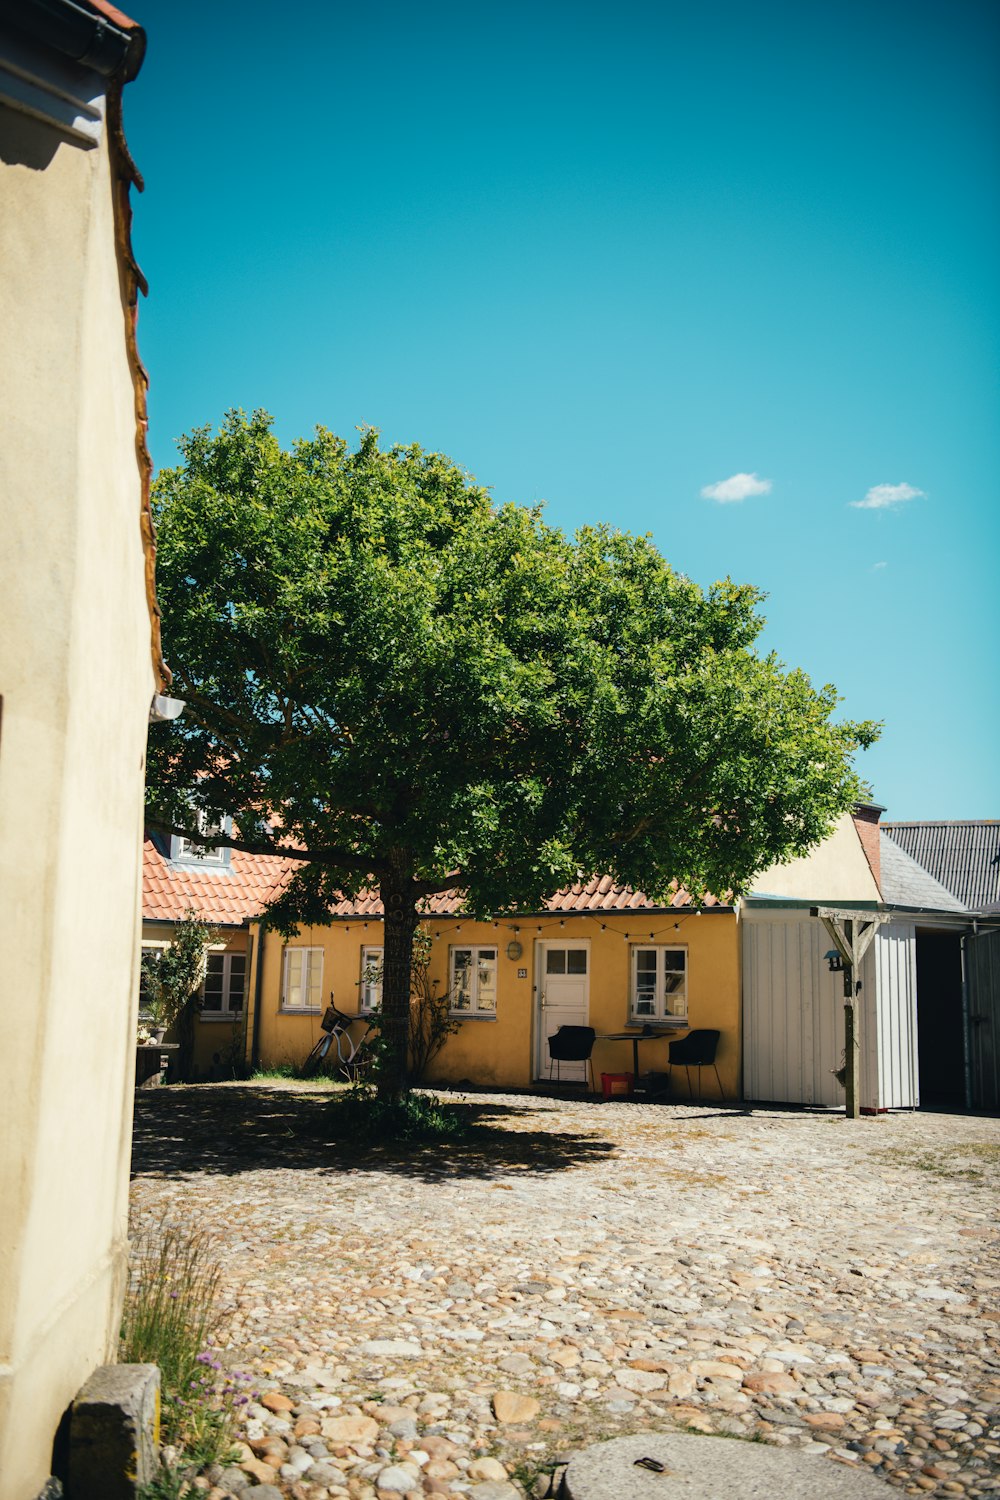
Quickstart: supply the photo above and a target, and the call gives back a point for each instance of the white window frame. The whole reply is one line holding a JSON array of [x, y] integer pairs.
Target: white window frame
[[186, 851], [312, 959], [666, 1004], [227, 1012], [369, 989], [474, 1008]]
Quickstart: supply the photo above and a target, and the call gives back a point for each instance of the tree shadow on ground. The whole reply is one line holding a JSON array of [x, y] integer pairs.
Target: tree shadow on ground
[[232, 1128]]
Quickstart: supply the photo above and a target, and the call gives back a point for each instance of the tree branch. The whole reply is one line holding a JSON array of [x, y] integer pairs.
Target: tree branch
[[436, 887]]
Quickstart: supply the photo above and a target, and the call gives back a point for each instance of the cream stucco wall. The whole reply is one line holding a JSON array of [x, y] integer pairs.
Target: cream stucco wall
[[76, 679], [836, 870], [503, 1052]]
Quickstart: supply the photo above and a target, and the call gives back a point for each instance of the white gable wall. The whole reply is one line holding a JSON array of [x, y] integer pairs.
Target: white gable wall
[[836, 870]]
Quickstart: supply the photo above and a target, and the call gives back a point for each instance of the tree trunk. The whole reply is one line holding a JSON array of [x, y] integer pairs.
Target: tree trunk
[[394, 1020]]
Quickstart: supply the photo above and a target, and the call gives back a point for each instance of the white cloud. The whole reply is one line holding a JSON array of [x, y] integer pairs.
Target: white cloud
[[736, 487], [876, 566], [881, 496]]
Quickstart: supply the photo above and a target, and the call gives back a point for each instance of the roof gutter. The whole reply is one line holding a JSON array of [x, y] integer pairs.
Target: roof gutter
[[257, 992], [102, 38]]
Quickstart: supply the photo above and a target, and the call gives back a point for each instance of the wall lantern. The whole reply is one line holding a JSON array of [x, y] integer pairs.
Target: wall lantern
[[162, 709], [514, 949], [835, 962]]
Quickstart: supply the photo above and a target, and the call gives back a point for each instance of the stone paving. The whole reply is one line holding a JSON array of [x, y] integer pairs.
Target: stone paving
[[459, 1321]]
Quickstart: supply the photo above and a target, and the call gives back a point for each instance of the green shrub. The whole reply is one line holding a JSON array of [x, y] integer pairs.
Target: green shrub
[[359, 1114]]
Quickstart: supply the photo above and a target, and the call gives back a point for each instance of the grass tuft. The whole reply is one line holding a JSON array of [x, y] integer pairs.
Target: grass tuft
[[171, 1319]]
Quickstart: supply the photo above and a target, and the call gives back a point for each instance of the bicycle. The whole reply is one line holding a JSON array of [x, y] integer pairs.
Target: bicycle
[[335, 1026]]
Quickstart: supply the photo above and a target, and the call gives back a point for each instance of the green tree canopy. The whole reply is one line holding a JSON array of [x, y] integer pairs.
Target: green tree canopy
[[401, 683]]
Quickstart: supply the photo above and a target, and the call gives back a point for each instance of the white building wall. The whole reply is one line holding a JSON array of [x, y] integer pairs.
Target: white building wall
[[895, 962], [793, 1015]]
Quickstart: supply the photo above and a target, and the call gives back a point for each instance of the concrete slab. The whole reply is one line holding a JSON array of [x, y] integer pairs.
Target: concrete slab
[[711, 1468], [115, 1433]]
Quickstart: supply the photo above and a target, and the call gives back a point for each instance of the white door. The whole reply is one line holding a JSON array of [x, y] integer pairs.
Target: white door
[[562, 998]]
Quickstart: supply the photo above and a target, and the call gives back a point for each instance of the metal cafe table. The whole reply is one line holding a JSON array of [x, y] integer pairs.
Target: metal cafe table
[[635, 1036]]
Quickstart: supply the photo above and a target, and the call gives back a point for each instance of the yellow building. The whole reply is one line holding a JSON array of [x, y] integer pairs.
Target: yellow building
[[600, 955], [226, 889]]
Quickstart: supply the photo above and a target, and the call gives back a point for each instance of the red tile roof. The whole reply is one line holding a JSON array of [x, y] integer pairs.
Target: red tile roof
[[234, 895], [114, 14], [223, 895], [598, 894]]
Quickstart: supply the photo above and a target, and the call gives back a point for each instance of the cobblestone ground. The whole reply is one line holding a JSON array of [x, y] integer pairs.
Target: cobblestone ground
[[460, 1320]]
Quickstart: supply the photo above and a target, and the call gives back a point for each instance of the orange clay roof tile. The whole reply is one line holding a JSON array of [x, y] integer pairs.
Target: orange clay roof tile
[[237, 894], [600, 893], [229, 896]]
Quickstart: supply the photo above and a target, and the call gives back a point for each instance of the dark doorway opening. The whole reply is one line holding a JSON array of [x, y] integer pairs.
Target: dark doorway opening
[[939, 1020]]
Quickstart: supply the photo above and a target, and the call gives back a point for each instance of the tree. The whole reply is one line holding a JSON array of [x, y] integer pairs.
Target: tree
[[395, 682]]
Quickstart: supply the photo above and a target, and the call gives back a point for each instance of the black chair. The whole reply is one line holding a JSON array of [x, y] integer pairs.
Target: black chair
[[572, 1044], [696, 1050]]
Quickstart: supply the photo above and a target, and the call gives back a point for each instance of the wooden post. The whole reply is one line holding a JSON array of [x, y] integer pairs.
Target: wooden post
[[852, 1048], [852, 935]]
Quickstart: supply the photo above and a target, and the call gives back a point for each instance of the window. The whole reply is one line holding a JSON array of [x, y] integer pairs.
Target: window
[[566, 961], [189, 852], [659, 984], [225, 984], [302, 979], [371, 979], [148, 953], [473, 981]]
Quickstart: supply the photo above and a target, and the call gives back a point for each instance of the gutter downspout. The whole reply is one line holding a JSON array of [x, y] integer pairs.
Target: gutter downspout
[[257, 987]]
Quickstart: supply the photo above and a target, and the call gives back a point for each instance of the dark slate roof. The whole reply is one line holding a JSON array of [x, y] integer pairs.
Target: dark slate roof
[[905, 883], [963, 856]]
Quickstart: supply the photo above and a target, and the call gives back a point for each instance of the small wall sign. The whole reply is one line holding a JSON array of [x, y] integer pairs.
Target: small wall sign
[[522, 973]]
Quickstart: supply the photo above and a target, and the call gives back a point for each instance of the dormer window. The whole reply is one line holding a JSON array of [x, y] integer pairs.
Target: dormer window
[[187, 851]]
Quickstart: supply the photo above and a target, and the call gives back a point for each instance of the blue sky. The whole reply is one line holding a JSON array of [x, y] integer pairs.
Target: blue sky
[[608, 257]]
